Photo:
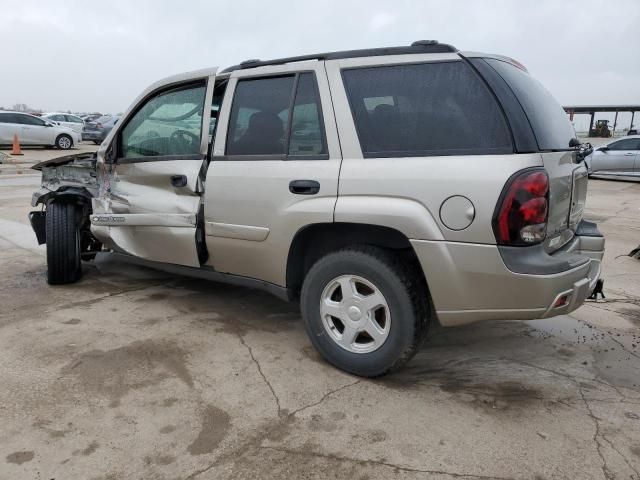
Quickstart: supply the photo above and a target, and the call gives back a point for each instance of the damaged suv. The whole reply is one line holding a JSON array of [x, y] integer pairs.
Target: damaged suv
[[383, 189]]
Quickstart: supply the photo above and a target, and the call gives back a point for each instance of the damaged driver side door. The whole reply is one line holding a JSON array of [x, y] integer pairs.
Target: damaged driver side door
[[151, 196]]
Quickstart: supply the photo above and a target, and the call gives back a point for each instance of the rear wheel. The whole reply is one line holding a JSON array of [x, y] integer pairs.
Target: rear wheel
[[63, 243], [365, 310], [64, 142]]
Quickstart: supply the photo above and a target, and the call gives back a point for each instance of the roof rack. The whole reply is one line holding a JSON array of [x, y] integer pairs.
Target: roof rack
[[419, 46]]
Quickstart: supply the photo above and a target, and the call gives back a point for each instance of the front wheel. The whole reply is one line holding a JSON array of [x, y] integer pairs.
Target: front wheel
[[63, 243], [64, 142], [365, 310]]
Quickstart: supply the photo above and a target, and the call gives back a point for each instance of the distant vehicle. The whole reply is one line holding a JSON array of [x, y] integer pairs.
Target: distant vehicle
[[74, 122], [90, 117], [32, 130], [633, 131], [620, 157], [97, 130], [601, 129]]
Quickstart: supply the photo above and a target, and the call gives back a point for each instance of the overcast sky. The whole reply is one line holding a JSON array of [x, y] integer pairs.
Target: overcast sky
[[98, 55]]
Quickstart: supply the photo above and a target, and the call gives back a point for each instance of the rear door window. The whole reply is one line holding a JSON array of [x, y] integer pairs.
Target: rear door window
[[425, 109], [307, 134], [549, 122], [260, 116], [277, 116]]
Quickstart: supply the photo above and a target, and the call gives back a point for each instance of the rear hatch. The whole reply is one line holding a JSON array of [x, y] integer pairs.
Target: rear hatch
[[553, 132], [97, 123]]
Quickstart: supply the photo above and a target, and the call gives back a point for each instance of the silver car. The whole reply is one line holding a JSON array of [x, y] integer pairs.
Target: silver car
[[382, 189], [32, 130], [620, 157], [73, 122]]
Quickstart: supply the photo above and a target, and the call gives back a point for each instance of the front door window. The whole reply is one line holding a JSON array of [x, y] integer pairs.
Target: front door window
[[169, 124]]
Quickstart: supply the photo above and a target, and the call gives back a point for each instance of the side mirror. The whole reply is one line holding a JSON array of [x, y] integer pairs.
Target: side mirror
[[603, 149], [48, 124]]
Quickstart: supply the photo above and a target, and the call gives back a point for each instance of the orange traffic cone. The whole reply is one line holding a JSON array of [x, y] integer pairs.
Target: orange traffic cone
[[16, 145]]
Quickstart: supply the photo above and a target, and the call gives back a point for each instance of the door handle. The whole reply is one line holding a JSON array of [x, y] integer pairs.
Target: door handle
[[304, 187], [629, 154], [179, 180]]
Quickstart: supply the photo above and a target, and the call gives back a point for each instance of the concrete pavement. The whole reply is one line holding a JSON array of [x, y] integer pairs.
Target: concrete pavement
[[133, 373]]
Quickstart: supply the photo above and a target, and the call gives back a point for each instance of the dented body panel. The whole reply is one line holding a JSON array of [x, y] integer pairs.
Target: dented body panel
[[71, 174], [140, 208], [241, 214]]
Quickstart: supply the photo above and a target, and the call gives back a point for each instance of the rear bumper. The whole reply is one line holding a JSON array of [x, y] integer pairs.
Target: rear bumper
[[474, 282], [92, 135]]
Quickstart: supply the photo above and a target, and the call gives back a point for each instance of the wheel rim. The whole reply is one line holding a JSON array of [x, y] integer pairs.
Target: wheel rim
[[355, 314], [64, 142]]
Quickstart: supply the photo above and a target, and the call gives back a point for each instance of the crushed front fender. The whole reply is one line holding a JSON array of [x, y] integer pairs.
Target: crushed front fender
[[69, 175]]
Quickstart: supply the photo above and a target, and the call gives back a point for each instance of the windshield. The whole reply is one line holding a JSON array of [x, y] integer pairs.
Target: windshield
[[550, 124]]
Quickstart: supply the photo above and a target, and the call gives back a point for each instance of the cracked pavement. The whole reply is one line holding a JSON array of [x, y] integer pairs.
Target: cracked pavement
[[134, 373]]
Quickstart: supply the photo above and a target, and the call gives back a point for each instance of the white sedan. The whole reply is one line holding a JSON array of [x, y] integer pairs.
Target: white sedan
[[74, 122], [32, 130]]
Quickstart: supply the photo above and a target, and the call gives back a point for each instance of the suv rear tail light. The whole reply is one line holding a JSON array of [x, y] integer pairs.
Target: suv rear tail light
[[523, 208]]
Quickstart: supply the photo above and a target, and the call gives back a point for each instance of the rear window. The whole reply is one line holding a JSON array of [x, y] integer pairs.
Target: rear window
[[548, 119], [425, 109], [7, 118]]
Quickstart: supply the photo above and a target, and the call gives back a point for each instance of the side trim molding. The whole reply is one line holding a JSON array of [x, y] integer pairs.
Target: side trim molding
[[239, 232], [143, 220]]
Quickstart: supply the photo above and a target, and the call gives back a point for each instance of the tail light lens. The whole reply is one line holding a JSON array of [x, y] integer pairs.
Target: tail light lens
[[523, 208], [98, 125]]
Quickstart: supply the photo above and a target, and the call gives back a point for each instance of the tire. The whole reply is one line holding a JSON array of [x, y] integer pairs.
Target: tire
[[406, 307], [63, 244], [64, 142]]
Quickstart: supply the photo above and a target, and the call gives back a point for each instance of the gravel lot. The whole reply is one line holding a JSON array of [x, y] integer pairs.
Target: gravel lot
[[133, 373]]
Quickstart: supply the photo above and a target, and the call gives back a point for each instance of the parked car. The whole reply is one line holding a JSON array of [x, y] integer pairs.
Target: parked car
[[382, 189], [91, 117], [32, 130], [98, 129], [74, 122], [620, 157]]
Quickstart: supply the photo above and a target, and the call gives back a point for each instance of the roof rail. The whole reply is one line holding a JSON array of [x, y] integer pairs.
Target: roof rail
[[419, 46]]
